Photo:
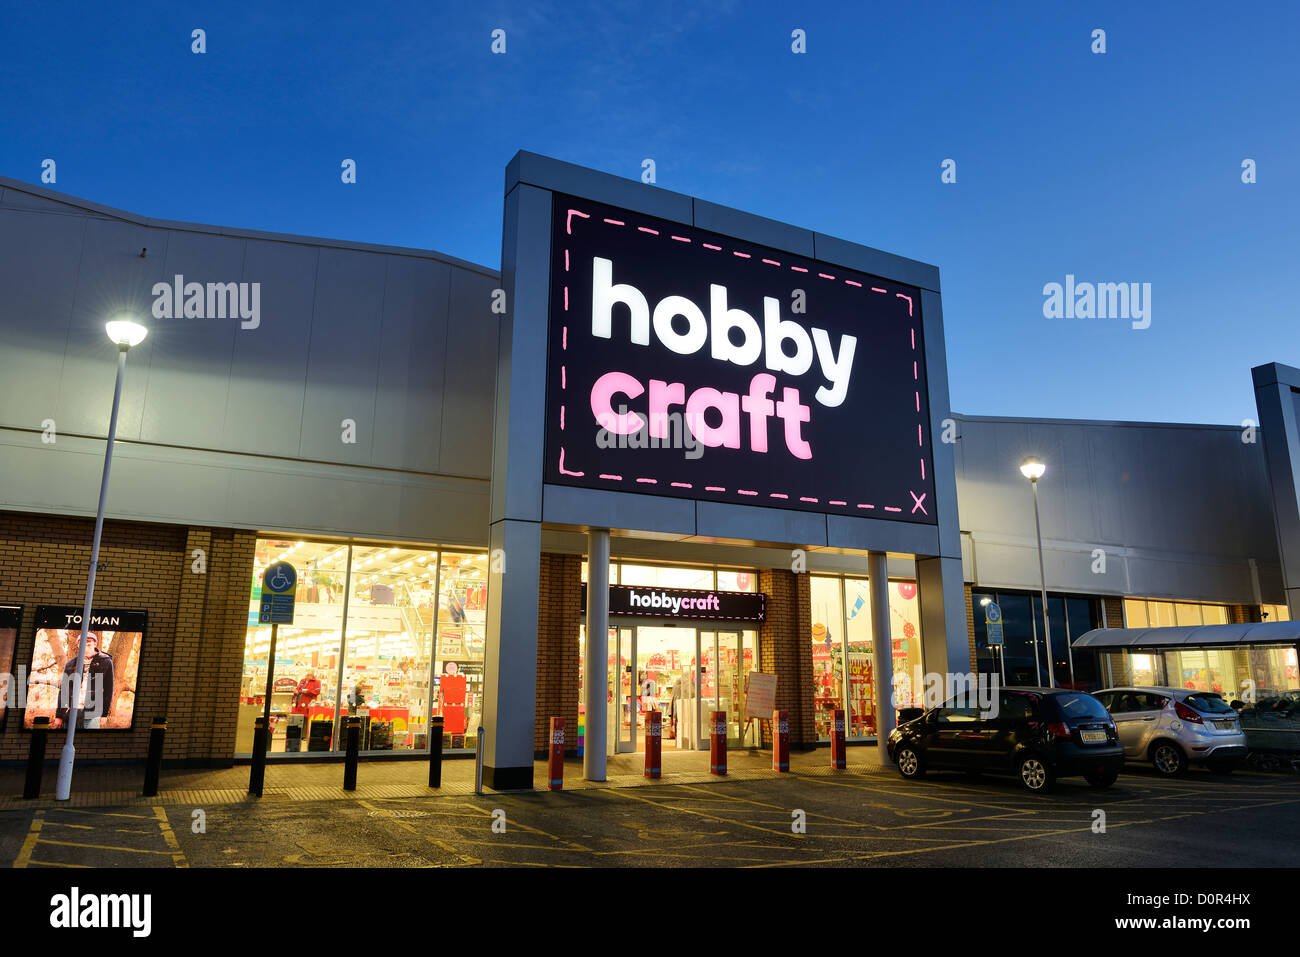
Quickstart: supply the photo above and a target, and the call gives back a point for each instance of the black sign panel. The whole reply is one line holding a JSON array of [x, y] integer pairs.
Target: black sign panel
[[653, 602], [685, 363]]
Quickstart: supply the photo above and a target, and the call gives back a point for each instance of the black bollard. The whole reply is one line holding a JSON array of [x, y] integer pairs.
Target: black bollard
[[36, 757], [435, 752], [154, 762], [354, 749], [257, 774]]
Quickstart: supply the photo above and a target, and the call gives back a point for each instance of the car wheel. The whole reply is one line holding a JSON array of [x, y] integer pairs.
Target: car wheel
[[1035, 774], [909, 763], [1101, 779], [1168, 758]]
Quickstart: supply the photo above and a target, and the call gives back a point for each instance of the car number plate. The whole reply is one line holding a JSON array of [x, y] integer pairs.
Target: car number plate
[[1093, 737], [1226, 725]]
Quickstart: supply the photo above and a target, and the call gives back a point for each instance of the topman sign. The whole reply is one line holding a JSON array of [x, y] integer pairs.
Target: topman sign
[[685, 363]]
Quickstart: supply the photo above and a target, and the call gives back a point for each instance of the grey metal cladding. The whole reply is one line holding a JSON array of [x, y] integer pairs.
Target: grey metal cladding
[[597, 508], [269, 367], [470, 376], [561, 177], [876, 262], [343, 358], [190, 372], [754, 229], [413, 344], [755, 523], [111, 277], [38, 273]]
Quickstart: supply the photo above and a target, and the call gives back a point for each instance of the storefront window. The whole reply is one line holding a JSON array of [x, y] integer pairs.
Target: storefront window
[[1149, 613], [731, 580], [827, 652], [661, 576], [462, 636], [857, 630], [389, 633], [905, 632], [1275, 612], [305, 676]]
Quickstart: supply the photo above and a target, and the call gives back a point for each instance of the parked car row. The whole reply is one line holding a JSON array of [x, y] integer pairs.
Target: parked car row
[[1043, 734]]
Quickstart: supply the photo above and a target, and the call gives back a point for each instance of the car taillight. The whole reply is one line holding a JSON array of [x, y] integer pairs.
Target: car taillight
[[1059, 730], [1186, 713]]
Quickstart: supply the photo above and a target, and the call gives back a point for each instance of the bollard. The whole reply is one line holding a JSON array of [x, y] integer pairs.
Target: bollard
[[257, 772], [654, 730], [354, 750], [36, 757], [555, 764], [478, 763], [838, 761], [717, 742], [152, 765], [435, 752], [780, 741]]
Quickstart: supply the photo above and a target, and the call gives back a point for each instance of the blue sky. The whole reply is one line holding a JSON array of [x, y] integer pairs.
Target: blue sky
[[1120, 167]]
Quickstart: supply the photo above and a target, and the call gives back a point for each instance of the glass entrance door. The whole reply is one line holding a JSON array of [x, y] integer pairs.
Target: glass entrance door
[[621, 719], [728, 657], [666, 659]]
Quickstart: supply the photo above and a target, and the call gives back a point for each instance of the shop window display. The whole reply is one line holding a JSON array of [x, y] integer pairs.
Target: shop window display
[[462, 635], [827, 652]]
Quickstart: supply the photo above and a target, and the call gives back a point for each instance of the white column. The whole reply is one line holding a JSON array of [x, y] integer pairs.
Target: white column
[[596, 655], [882, 652]]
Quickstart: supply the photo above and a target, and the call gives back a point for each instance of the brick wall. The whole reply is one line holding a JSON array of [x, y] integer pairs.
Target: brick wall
[[785, 641], [1244, 614], [191, 659], [558, 608], [970, 629], [1113, 612]]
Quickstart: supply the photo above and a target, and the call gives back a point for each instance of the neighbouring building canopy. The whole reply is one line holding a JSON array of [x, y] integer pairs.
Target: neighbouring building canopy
[[1250, 633]]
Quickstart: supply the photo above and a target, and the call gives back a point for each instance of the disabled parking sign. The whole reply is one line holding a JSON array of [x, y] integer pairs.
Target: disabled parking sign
[[278, 584], [993, 623]]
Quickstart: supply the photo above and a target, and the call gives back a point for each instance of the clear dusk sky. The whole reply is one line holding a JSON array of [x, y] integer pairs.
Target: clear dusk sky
[[1117, 167]]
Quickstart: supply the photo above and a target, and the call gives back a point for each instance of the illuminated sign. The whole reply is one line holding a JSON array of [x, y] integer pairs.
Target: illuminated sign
[[689, 364], [653, 602]]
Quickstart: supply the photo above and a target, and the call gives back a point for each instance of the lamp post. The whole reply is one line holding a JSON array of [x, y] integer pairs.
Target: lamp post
[[1033, 470], [124, 332]]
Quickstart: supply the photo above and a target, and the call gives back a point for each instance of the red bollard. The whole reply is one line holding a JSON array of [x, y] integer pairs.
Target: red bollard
[[653, 743], [717, 742], [555, 766], [780, 741], [838, 759]]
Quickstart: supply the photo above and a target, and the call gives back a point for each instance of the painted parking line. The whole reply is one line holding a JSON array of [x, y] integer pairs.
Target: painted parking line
[[44, 826]]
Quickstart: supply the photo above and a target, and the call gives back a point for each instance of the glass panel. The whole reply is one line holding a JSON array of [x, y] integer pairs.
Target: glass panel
[[1081, 615], [1018, 638], [827, 653], [1060, 654], [750, 731], [1275, 612], [389, 637], [664, 577], [462, 633], [664, 658], [1135, 613], [737, 580], [857, 613], [306, 665], [1214, 614], [1187, 614], [905, 635], [1142, 670], [1161, 614]]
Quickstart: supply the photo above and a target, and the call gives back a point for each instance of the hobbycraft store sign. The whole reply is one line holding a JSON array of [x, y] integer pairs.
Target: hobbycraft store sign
[[689, 364], [653, 602]]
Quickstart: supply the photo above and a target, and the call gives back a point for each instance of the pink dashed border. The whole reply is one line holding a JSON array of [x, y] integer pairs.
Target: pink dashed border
[[918, 501]]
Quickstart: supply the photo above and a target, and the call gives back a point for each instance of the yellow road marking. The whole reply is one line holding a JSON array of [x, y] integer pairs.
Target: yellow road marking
[[683, 810], [432, 840], [103, 847], [29, 842], [169, 837], [55, 864]]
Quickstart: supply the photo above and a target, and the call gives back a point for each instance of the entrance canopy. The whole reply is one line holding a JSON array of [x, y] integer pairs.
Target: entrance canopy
[[1193, 636]]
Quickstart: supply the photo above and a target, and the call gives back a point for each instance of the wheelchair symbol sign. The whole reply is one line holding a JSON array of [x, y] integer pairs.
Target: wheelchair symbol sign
[[278, 583], [279, 578]]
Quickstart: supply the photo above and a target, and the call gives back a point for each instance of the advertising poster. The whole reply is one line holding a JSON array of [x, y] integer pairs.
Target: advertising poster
[[112, 666], [9, 618]]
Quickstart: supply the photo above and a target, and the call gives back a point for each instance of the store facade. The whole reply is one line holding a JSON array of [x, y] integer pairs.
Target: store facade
[[673, 387]]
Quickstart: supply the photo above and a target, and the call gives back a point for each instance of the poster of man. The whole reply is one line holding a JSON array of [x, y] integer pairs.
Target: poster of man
[[110, 668]]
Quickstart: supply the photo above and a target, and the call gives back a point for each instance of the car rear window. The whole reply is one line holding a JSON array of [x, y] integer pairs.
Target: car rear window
[[1208, 703], [1078, 705]]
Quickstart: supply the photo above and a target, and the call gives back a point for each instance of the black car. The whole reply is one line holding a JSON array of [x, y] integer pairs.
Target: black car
[[1039, 734]]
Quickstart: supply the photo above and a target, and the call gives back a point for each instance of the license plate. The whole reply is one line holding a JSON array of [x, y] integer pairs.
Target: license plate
[[1093, 737], [1226, 725]]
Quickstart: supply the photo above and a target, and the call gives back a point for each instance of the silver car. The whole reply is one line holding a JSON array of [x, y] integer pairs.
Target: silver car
[[1175, 727]]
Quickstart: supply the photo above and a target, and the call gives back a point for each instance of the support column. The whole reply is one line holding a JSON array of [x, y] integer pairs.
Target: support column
[[882, 652], [942, 595], [596, 654], [510, 658]]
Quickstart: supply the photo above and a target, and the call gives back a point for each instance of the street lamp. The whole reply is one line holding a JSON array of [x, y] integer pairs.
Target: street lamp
[[1032, 469], [124, 332]]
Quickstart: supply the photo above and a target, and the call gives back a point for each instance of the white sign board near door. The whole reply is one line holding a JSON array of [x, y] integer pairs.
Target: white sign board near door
[[760, 695]]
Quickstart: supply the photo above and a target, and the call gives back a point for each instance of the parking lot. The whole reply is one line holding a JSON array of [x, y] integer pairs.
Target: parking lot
[[856, 818]]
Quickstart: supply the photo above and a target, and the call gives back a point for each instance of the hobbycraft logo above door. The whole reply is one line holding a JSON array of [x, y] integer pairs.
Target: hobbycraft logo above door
[[689, 364]]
